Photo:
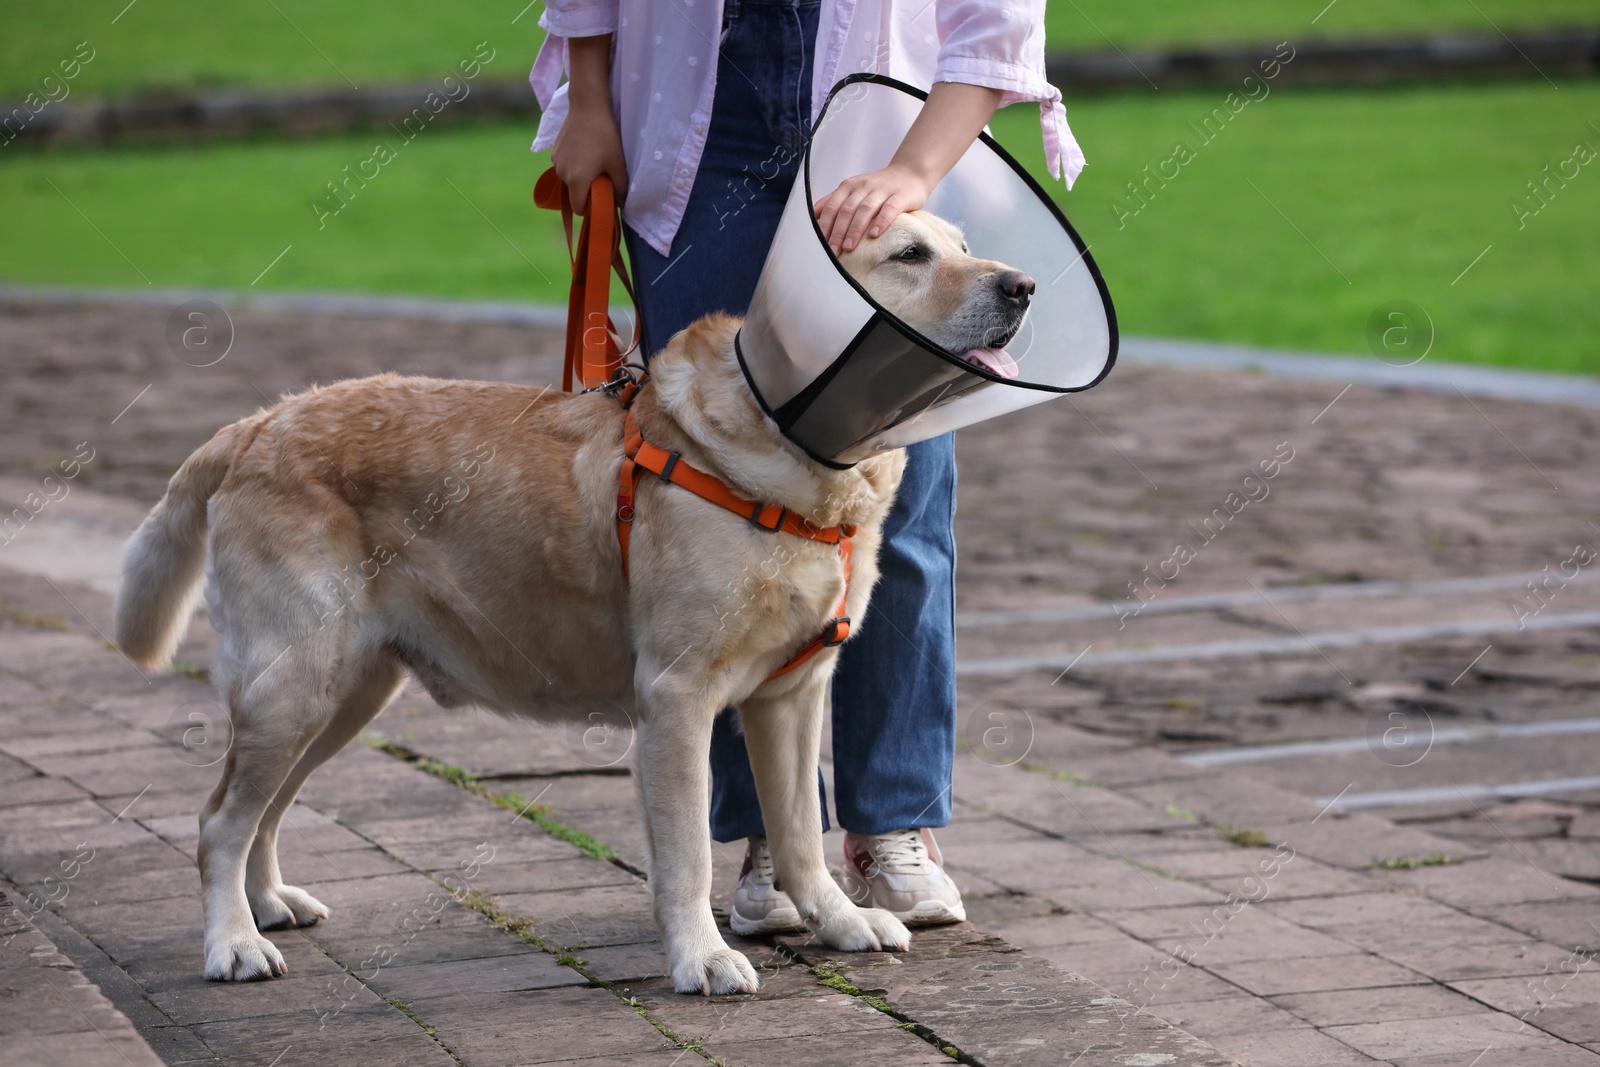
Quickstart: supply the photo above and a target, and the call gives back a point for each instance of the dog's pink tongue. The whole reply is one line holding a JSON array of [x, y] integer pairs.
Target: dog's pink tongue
[[997, 360]]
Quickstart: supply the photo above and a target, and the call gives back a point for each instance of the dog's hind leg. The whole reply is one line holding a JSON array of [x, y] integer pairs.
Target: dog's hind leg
[[269, 736], [274, 904], [783, 735], [674, 767]]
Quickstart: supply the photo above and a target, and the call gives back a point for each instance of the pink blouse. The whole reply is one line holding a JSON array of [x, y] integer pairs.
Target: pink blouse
[[664, 68]]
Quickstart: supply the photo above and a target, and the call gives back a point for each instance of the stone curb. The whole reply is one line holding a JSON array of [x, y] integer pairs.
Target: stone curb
[[295, 113], [1366, 62], [1498, 382]]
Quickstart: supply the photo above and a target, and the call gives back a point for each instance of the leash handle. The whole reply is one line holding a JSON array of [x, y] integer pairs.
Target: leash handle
[[594, 353]]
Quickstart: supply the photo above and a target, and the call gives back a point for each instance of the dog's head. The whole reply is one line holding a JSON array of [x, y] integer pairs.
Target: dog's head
[[920, 271]]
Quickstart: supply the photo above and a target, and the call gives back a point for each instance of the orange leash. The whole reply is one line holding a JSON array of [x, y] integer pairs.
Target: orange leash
[[640, 456], [594, 352], [594, 358]]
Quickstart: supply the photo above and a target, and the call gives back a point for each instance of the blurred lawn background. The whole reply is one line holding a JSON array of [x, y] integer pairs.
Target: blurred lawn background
[[1309, 210], [167, 43]]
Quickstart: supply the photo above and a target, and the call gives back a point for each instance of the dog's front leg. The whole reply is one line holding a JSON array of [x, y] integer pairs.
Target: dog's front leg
[[674, 765], [783, 735]]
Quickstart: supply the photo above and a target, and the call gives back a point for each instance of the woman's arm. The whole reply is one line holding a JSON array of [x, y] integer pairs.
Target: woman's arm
[[950, 120], [589, 143]]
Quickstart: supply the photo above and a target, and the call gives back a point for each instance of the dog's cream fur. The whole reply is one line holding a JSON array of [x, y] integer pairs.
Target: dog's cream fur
[[465, 532]]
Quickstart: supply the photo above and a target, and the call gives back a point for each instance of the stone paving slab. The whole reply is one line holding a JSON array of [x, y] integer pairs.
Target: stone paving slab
[[1345, 971], [993, 1001], [359, 1035], [1406, 1041], [50, 1012]]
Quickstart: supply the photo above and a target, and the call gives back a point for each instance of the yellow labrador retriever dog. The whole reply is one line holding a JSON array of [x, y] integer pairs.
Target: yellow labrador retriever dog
[[464, 533]]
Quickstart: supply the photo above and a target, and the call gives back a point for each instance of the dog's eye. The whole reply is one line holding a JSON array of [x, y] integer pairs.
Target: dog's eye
[[912, 254]]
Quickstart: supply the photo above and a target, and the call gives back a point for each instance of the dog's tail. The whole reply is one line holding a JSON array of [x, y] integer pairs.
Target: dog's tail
[[165, 559]]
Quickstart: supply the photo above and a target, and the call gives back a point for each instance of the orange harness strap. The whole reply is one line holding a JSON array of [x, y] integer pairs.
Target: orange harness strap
[[834, 631], [640, 455]]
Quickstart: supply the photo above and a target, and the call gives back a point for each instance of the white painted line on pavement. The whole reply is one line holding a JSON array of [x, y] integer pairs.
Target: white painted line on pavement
[[1267, 646], [1396, 798], [1452, 735], [1287, 594], [1438, 377]]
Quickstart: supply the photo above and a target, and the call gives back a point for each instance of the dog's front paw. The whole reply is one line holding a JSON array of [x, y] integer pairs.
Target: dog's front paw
[[286, 906], [856, 929], [243, 959], [715, 973]]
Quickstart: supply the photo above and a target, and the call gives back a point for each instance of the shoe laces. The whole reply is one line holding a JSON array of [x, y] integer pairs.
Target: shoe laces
[[903, 852], [761, 869]]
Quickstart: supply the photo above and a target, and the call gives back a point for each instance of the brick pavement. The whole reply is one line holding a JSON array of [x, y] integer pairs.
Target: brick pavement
[[1097, 855], [465, 932], [49, 1011], [1082, 835]]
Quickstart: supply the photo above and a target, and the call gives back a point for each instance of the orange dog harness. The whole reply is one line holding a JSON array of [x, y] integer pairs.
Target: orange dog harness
[[595, 359], [640, 456]]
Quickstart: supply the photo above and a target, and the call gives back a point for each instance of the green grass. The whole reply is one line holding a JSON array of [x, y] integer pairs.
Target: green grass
[[1247, 838], [157, 44], [191, 670], [540, 814], [219, 217], [1398, 190], [1310, 209], [163, 44], [34, 620], [1412, 863]]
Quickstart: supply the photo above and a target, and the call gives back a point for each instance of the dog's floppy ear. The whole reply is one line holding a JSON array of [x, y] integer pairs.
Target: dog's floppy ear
[[946, 229]]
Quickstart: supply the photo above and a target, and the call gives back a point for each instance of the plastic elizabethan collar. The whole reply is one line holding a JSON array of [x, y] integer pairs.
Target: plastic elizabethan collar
[[840, 375]]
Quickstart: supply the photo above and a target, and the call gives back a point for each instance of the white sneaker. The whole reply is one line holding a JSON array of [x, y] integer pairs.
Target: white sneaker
[[759, 906], [901, 873]]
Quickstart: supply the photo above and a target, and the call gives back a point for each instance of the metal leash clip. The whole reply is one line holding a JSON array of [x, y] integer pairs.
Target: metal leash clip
[[624, 385]]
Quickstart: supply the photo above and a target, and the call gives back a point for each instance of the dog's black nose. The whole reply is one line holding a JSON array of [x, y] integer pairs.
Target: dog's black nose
[[1016, 287]]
